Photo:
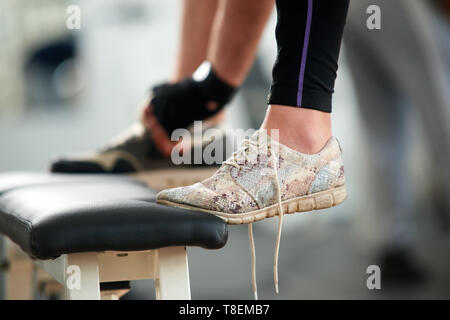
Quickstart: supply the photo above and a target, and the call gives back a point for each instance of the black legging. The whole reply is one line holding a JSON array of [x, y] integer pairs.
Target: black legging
[[309, 35]]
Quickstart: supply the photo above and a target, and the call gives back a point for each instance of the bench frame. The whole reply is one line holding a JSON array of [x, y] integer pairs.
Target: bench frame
[[167, 266]]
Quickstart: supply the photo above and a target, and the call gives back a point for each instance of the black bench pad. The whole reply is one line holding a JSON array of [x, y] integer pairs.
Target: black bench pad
[[74, 213]]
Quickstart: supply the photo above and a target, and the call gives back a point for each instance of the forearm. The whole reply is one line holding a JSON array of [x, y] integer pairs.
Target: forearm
[[235, 36], [195, 30]]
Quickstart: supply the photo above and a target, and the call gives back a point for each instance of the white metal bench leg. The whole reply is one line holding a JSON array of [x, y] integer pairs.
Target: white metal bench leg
[[81, 273], [3, 268], [89, 284], [172, 274]]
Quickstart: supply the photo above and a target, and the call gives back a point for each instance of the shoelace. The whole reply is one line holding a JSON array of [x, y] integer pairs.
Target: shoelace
[[251, 145]]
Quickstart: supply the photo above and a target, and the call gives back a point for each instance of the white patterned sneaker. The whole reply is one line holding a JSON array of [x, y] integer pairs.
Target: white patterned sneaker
[[263, 179]]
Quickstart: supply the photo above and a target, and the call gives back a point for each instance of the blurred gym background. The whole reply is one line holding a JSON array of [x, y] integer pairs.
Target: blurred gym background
[[71, 90]]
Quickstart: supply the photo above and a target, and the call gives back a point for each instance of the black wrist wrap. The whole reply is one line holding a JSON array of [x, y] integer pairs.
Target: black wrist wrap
[[178, 105]]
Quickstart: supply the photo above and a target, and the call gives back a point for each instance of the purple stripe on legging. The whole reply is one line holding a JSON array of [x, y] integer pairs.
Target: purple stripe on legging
[[304, 54]]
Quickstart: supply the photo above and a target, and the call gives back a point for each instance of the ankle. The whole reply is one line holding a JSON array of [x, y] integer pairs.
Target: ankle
[[303, 130]]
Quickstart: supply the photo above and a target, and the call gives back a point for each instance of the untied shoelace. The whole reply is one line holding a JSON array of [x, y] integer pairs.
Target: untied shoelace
[[251, 146]]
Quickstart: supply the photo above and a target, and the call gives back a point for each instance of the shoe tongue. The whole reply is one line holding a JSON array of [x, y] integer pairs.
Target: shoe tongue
[[263, 140], [262, 144]]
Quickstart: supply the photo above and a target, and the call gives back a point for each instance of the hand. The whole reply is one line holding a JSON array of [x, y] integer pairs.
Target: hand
[[158, 133]]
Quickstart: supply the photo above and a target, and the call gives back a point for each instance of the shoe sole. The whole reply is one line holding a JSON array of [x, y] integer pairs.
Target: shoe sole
[[316, 201]]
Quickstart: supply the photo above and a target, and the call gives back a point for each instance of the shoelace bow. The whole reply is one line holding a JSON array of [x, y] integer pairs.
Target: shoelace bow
[[250, 147]]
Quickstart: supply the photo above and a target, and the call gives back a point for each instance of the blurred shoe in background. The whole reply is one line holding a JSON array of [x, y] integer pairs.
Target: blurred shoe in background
[[134, 152]]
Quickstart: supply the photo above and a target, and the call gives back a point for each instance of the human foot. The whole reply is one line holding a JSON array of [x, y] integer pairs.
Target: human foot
[[301, 129], [243, 191], [134, 150], [131, 151], [263, 179]]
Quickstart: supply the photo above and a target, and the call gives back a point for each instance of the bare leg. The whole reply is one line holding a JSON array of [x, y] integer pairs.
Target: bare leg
[[309, 37], [304, 130]]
